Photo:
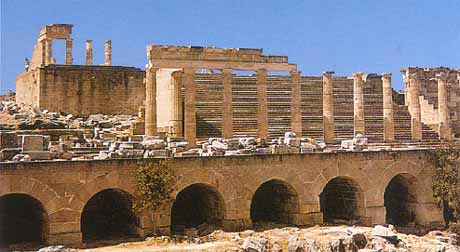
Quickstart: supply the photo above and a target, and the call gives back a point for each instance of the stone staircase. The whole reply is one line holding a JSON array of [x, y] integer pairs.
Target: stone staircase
[[209, 98]]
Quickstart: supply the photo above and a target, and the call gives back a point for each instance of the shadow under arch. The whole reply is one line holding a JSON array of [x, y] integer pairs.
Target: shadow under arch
[[275, 201], [108, 214], [400, 200], [200, 206], [342, 201], [23, 220]]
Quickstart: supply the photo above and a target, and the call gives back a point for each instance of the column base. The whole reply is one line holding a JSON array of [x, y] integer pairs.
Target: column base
[[237, 225], [68, 239], [375, 215]]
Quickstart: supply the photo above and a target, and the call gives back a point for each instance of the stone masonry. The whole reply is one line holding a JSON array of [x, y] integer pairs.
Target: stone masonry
[[64, 187]]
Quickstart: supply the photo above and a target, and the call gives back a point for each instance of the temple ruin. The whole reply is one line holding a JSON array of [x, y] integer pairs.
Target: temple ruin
[[357, 148]]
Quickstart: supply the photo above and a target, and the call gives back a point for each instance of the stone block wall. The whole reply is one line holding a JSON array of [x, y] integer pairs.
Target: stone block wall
[[83, 90]]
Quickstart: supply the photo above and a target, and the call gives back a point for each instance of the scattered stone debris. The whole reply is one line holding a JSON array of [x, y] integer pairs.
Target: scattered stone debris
[[29, 134], [291, 239], [58, 248]]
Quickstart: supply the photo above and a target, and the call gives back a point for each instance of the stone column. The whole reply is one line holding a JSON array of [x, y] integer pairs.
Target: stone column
[[68, 51], [48, 51], [328, 108], [176, 104], [43, 45], [296, 104], [262, 109], [358, 103], [108, 53], [190, 110], [415, 111], [227, 110], [89, 52], [388, 118], [150, 101], [443, 109]]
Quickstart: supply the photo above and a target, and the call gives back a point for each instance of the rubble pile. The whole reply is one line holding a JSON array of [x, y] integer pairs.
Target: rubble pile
[[29, 134], [292, 239]]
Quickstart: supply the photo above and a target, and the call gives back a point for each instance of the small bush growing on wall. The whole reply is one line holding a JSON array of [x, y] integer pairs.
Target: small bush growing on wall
[[446, 183], [155, 182]]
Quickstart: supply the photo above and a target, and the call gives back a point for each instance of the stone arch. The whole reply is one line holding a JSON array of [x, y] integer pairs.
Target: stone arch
[[97, 184], [49, 198], [108, 214], [400, 199], [199, 206], [342, 200], [24, 219], [274, 201]]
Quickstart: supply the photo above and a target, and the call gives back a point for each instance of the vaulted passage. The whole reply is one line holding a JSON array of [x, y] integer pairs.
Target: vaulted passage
[[342, 201], [274, 201], [108, 215], [197, 206], [23, 220], [400, 200]]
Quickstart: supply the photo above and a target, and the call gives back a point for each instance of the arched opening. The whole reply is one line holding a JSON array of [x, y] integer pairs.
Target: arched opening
[[23, 220], [400, 200], [198, 206], [108, 215], [276, 202], [342, 201]]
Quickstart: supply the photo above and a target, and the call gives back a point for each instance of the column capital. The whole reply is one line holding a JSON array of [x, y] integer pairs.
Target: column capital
[[226, 71], [357, 75], [386, 75], [442, 76], [261, 71], [417, 75], [294, 72], [328, 73], [189, 70]]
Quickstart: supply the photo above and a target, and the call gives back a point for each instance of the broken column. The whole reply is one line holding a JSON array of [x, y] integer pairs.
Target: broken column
[[388, 118], [150, 101], [176, 108], [68, 52], [358, 103], [296, 104], [89, 52], [108, 53], [415, 111], [227, 113], [190, 110], [48, 51], [262, 110], [328, 108], [443, 109]]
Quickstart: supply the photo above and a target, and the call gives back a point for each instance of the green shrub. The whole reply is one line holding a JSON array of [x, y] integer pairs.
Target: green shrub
[[446, 183], [155, 183]]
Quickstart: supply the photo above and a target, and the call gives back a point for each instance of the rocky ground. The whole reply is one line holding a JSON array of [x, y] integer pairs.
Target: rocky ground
[[313, 239]]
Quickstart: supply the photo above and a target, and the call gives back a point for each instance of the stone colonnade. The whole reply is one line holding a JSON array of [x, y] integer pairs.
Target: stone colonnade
[[47, 52], [186, 79], [187, 111]]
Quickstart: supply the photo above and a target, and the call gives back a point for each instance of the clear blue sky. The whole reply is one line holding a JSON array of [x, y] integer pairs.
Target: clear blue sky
[[345, 36]]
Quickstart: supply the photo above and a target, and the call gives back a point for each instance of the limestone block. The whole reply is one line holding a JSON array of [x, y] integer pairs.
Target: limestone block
[[8, 140], [32, 143], [38, 155]]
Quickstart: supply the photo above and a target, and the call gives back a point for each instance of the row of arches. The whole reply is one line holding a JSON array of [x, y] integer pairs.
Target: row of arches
[[109, 215]]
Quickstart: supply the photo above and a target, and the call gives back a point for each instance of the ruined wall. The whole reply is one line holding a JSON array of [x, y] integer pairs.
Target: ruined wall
[[27, 87], [429, 96], [83, 90], [65, 187]]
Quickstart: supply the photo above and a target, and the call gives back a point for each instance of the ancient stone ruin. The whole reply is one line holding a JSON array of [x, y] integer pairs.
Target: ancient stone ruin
[[249, 150]]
